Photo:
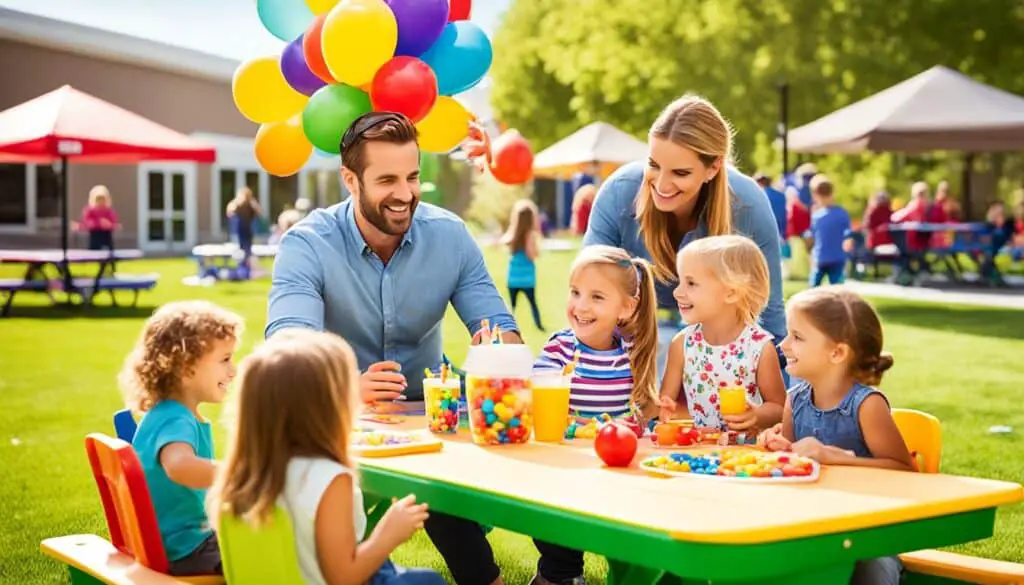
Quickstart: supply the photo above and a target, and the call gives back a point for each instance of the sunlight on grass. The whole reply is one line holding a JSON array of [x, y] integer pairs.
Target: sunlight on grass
[[57, 383]]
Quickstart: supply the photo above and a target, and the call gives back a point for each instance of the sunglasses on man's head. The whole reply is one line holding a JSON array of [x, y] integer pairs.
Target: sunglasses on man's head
[[364, 123]]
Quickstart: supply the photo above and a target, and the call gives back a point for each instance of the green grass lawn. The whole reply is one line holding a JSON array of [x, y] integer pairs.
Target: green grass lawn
[[57, 383]]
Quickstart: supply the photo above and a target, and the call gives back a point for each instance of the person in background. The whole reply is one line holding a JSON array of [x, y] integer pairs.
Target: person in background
[[1000, 233], [804, 173], [523, 239], [243, 211], [99, 219], [830, 226], [285, 221], [876, 221], [777, 199], [798, 221], [582, 203]]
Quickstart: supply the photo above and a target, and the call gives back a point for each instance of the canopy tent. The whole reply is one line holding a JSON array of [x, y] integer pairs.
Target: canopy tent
[[67, 125], [598, 144], [939, 109]]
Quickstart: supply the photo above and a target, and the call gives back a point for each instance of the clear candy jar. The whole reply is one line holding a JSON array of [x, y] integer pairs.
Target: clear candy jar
[[498, 393]]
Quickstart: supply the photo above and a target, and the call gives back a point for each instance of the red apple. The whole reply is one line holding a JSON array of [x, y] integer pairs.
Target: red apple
[[616, 444]]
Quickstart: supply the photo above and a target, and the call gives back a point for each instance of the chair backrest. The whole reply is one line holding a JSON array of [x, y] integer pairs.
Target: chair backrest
[[922, 433], [259, 555], [125, 425], [126, 500]]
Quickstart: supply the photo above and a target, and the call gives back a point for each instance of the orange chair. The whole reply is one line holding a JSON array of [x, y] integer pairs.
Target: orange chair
[[922, 433], [137, 554]]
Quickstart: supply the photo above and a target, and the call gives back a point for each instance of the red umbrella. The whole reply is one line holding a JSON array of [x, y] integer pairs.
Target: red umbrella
[[67, 125]]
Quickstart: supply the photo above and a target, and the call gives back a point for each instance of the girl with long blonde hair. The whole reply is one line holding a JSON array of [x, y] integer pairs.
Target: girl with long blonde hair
[[289, 446], [687, 189]]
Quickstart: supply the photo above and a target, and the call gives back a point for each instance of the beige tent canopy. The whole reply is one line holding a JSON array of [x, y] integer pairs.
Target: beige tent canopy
[[597, 143], [939, 109]]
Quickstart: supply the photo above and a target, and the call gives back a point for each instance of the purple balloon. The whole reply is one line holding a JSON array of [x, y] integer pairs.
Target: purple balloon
[[295, 70], [420, 23]]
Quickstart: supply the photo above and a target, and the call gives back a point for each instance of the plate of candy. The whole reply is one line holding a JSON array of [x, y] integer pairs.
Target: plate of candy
[[738, 464], [386, 443]]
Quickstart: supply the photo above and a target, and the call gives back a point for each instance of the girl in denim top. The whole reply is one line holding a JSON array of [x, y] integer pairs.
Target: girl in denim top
[[834, 414]]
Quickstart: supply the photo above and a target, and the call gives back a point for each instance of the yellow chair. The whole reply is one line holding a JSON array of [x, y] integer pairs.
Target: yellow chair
[[922, 433]]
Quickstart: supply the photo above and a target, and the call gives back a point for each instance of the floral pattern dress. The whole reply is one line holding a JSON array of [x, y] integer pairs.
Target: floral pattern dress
[[710, 367]]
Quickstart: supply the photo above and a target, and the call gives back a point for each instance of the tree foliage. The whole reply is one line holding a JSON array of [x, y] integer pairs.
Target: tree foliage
[[561, 64]]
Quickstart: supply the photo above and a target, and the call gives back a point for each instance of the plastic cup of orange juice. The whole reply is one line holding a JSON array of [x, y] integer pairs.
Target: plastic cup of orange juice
[[550, 405], [733, 400]]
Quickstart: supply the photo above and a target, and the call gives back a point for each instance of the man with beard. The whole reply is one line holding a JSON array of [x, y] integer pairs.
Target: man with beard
[[379, 269]]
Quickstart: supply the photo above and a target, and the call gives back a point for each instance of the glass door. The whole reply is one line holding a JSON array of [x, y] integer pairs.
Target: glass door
[[226, 182], [167, 208]]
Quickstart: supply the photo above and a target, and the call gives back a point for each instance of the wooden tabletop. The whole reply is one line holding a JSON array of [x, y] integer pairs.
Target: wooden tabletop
[[571, 477]]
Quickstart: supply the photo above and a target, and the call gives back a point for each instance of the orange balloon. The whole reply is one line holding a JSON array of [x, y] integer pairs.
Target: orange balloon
[[282, 147], [512, 159], [312, 51]]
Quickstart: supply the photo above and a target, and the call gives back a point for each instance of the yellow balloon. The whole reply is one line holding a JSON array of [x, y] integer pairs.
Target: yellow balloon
[[358, 37], [282, 148], [445, 126], [321, 6], [261, 93]]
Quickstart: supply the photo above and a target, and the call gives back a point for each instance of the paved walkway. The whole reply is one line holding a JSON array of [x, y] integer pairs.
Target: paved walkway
[[1005, 298]]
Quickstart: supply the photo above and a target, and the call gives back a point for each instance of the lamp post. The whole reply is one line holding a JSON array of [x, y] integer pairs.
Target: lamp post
[[783, 129]]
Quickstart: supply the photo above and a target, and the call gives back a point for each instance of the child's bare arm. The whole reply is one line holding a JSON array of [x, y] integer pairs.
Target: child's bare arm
[[888, 451], [772, 388], [184, 467], [672, 382], [344, 560]]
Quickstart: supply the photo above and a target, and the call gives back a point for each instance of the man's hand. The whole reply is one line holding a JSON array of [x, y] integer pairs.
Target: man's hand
[[506, 337], [382, 381]]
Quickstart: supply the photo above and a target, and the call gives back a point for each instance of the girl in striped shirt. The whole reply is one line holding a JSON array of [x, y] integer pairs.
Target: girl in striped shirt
[[613, 326]]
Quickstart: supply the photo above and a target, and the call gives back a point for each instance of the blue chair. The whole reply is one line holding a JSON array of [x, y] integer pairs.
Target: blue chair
[[125, 425]]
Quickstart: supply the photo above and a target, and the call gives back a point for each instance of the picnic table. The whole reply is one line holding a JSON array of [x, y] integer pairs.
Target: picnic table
[[968, 238], [655, 529], [106, 279], [221, 261]]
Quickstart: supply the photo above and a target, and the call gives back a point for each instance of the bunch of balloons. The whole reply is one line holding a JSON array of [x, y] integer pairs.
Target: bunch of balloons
[[345, 58]]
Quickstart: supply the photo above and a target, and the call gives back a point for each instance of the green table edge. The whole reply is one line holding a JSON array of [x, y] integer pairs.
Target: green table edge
[[631, 548]]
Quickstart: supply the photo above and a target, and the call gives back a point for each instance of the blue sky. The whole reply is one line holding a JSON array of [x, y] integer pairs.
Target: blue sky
[[229, 28]]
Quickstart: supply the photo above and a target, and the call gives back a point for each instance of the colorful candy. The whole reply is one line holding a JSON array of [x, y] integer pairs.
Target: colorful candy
[[377, 438], [738, 463], [499, 410], [442, 405]]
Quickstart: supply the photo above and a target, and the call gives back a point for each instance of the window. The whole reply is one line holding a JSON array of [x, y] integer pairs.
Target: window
[[13, 195]]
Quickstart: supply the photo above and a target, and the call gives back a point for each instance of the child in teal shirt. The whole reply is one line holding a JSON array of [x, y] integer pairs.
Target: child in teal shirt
[[184, 357]]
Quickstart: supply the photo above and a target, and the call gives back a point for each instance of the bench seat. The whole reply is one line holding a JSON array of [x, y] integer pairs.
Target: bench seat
[[955, 567], [97, 558]]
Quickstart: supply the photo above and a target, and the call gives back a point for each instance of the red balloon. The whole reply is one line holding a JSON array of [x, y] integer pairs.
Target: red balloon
[[459, 9], [312, 52], [405, 85], [511, 159]]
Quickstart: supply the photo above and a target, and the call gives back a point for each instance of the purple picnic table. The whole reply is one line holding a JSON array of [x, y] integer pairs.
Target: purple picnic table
[[36, 280]]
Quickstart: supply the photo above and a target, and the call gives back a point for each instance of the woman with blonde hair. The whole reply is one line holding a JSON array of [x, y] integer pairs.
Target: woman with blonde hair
[[687, 189]]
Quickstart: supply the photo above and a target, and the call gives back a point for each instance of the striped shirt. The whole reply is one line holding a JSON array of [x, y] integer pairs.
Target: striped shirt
[[603, 380]]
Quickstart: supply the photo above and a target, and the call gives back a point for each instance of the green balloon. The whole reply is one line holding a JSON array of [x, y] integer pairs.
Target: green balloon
[[330, 112]]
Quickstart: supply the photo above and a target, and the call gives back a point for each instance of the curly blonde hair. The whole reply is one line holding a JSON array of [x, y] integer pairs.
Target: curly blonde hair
[[177, 336]]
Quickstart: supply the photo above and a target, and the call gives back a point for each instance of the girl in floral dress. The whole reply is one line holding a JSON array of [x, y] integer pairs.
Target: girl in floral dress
[[723, 287]]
